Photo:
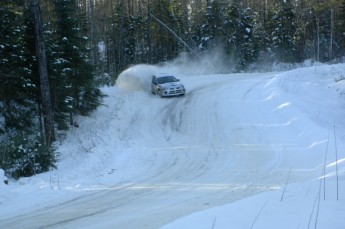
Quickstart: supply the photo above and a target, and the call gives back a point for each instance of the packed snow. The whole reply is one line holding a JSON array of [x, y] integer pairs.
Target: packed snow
[[259, 150]]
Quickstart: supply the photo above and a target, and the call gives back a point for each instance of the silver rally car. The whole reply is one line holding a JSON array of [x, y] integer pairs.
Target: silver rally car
[[165, 85]]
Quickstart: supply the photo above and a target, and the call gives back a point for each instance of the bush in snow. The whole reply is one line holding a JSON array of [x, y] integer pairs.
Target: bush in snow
[[25, 156]]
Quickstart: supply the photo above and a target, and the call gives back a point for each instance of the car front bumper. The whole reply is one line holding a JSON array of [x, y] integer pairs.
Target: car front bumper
[[173, 92]]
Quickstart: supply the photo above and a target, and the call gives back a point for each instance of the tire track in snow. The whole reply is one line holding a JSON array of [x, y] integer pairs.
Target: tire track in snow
[[200, 157]]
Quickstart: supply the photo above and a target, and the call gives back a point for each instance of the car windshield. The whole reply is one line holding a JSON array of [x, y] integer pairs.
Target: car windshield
[[166, 79]]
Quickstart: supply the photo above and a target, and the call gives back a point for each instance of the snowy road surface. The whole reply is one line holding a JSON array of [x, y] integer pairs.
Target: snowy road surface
[[230, 137]]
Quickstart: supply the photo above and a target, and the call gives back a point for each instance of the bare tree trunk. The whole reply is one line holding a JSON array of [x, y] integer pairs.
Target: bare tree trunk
[[122, 56], [111, 44], [332, 31], [91, 31], [149, 35], [264, 12], [44, 81], [130, 5], [317, 20]]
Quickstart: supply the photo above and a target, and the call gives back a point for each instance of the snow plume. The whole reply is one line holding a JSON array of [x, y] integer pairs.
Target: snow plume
[[212, 62], [137, 77]]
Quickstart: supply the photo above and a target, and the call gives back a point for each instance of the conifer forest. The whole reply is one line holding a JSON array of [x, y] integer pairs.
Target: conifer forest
[[56, 54]]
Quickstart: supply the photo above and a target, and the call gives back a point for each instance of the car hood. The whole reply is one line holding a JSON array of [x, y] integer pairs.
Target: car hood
[[171, 84]]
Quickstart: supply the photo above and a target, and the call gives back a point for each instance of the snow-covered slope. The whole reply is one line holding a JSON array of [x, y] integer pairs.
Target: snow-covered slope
[[251, 150]]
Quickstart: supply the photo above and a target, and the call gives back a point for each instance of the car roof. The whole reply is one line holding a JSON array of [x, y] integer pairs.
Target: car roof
[[158, 75]]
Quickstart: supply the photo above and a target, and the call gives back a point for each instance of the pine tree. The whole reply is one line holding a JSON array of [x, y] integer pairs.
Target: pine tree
[[245, 51], [163, 43], [140, 28], [341, 30], [262, 44], [22, 151], [181, 24], [232, 28], [211, 33], [284, 29], [239, 36], [131, 34], [74, 88], [196, 17], [15, 104]]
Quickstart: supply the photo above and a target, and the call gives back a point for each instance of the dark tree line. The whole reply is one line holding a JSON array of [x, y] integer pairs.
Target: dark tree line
[[81, 39], [250, 32]]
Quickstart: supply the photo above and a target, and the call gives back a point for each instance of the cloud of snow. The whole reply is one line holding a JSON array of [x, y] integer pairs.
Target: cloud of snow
[[138, 77], [212, 62]]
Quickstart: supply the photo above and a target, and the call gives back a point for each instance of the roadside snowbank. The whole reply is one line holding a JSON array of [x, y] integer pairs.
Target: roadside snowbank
[[3, 179]]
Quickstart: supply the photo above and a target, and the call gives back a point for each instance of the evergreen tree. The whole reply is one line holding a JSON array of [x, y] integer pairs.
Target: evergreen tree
[[245, 51], [323, 30], [232, 28], [74, 88], [140, 28], [284, 29], [211, 33], [131, 34], [181, 23], [163, 43], [22, 151], [196, 18], [15, 103], [262, 44], [239, 36], [341, 30], [30, 73]]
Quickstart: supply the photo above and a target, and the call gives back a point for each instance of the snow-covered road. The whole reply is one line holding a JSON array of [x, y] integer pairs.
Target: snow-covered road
[[229, 137]]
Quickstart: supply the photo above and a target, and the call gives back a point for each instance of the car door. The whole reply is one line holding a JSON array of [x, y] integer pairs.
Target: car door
[[154, 85]]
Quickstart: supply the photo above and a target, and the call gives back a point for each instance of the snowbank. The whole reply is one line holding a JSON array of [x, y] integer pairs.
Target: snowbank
[[3, 178], [227, 146]]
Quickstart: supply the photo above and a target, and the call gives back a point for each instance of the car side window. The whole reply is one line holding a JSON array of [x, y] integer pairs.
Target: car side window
[[154, 80]]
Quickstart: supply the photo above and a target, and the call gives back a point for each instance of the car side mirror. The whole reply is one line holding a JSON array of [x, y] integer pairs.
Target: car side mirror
[[178, 80]]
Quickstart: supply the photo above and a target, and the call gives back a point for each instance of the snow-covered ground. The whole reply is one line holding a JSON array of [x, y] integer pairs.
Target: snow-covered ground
[[237, 151]]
